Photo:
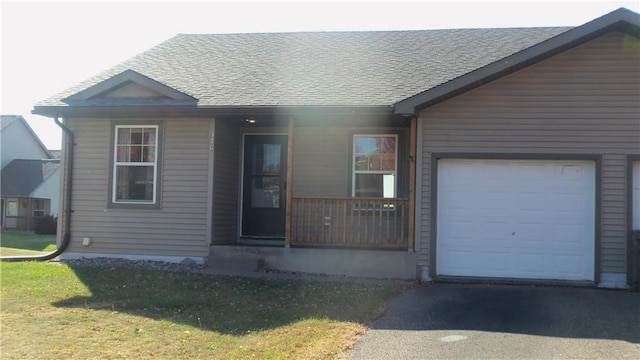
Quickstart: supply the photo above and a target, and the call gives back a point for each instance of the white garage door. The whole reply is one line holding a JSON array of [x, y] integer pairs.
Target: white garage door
[[635, 205], [530, 219]]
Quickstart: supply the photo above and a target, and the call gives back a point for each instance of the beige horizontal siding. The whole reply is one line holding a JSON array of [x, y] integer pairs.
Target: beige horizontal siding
[[322, 160], [178, 228], [583, 101]]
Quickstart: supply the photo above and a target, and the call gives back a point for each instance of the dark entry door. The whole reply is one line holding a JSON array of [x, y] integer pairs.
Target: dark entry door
[[263, 200]]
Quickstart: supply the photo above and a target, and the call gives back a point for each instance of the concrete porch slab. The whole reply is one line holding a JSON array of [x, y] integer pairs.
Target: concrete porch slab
[[380, 264]]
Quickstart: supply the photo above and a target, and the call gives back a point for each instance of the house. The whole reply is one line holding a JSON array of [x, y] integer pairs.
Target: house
[[30, 176], [469, 153]]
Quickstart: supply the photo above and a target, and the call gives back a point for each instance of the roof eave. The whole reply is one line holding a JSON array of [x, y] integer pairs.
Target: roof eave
[[204, 111], [125, 77], [621, 20]]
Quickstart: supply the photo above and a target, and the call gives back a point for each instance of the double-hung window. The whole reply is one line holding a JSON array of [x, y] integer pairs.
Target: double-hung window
[[12, 208], [135, 164], [375, 160], [38, 207]]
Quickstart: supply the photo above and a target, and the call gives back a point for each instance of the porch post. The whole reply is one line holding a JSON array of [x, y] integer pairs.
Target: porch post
[[412, 183], [289, 185]]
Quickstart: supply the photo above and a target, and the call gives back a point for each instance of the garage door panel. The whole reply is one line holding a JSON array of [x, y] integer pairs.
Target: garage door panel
[[496, 200], [529, 263], [462, 231], [495, 260], [459, 230], [489, 262], [571, 203], [494, 230], [521, 219], [531, 172], [460, 260], [568, 234], [532, 201], [535, 233], [570, 265], [571, 262], [458, 199]]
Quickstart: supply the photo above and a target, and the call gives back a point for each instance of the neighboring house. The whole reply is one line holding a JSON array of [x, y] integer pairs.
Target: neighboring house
[[472, 153], [18, 141], [30, 176], [29, 190]]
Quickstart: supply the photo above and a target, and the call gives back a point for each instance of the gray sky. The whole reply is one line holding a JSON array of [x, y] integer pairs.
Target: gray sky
[[49, 46]]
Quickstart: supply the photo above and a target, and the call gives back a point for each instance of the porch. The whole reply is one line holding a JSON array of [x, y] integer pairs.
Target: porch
[[23, 213], [22, 223], [313, 195], [339, 236], [381, 264], [350, 222]]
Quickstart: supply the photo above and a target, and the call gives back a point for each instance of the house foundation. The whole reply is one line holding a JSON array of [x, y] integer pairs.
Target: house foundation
[[384, 264]]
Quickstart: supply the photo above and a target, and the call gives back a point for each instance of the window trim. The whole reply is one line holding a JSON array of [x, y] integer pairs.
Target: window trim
[[133, 164], [16, 207], [354, 172], [157, 183], [43, 210]]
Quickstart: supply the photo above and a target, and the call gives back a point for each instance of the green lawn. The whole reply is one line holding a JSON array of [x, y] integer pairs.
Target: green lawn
[[25, 243], [58, 311]]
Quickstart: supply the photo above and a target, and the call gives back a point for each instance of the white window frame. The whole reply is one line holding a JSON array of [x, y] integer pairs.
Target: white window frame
[[117, 163], [34, 209], [354, 172], [12, 208]]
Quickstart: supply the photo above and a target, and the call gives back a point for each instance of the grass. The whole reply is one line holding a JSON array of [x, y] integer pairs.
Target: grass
[[57, 311], [26, 243]]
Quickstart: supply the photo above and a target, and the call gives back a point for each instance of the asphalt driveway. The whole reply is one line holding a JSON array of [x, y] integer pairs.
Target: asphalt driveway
[[454, 321]]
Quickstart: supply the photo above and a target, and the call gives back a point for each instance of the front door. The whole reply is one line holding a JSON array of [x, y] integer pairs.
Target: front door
[[263, 192]]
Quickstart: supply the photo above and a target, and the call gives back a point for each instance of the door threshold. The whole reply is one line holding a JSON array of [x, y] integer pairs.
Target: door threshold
[[261, 240]]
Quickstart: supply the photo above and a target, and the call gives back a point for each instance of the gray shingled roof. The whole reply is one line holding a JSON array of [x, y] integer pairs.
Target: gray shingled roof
[[319, 68], [55, 154], [6, 120], [21, 176]]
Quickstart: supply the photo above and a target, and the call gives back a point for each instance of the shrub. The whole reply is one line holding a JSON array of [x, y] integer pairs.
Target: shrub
[[47, 225]]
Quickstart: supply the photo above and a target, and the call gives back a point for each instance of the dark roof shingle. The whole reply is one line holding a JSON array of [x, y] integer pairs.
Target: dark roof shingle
[[22, 176], [375, 68], [6, 120]]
